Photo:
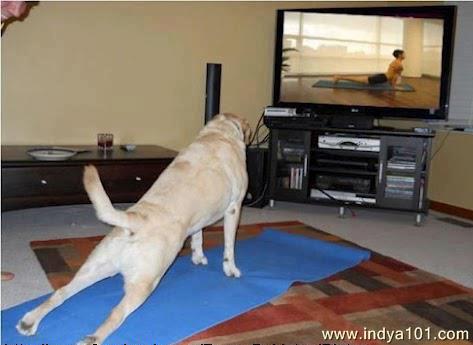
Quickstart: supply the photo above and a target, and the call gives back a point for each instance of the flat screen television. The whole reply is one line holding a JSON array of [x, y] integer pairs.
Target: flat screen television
[[376, 61]]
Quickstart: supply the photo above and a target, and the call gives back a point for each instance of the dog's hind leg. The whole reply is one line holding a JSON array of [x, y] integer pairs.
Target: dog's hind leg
[[96, 268], [198, 256], [230, 225], [136, 293]]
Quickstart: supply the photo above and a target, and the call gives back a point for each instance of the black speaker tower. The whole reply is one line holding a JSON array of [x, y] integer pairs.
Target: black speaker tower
[[212, 90]]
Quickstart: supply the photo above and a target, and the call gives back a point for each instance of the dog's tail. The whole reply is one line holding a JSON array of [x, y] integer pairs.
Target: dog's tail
[[102, 204]]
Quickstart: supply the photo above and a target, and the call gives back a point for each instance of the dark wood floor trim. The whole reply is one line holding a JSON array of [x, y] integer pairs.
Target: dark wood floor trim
[[452, 210]]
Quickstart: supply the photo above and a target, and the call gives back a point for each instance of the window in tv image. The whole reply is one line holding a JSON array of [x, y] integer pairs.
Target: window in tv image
[[364, 60]]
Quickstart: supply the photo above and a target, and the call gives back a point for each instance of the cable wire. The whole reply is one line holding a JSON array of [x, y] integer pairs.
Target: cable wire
[[257, 128], [441, 144], [341, 202]]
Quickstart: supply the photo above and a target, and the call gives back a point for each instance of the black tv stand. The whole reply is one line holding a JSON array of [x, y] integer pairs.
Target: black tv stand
[[382, 167]]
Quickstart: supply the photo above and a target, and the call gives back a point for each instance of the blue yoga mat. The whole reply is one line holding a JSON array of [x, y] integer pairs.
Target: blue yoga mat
[[190, 298], [346, 84]]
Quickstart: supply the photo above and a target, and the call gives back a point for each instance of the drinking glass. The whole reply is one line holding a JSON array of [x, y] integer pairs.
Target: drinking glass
[[105, 141]]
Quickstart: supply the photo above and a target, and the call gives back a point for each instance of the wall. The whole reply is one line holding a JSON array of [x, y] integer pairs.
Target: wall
[[338, 54], [432, 50], [71, 70], [412, 44], [451, 180], [135, 69]]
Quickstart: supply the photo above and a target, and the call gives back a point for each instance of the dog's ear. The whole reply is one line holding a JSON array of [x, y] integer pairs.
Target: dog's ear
[[247, 132], [243, 124]]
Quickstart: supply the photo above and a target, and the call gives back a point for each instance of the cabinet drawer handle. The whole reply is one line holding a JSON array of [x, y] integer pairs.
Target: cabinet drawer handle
[[305, 165], [43, 182], [380, 176], [137, 178]]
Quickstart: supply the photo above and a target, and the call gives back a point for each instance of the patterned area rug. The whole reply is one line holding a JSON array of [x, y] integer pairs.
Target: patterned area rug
[[381, 295]]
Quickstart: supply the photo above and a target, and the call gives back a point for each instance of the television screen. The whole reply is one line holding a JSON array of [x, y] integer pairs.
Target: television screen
[[393, 61]]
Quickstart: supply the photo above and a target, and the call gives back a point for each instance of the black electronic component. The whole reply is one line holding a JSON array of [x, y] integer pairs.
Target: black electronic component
[[212, 90]]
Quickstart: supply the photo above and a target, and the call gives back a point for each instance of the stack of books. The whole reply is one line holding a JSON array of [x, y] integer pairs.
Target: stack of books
[[295, 181], [399, 187], [401, 163], [403, 158]]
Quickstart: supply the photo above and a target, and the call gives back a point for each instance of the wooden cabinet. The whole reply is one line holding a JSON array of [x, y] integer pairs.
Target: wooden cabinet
[[371, 168], [402, 173], [126, 176], [290, 156]]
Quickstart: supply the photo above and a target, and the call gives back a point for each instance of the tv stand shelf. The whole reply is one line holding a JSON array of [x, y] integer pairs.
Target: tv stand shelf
[[382, 167]]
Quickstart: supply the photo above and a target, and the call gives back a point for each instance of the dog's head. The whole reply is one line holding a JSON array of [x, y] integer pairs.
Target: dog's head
[[242, 124]]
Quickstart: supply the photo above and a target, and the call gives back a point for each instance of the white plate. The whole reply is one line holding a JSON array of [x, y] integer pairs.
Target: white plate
[[51, 154]]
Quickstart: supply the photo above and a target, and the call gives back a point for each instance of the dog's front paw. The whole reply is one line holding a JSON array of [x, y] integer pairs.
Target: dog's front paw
[[89, 340], [231, 270], [26, 327], [199, 259]]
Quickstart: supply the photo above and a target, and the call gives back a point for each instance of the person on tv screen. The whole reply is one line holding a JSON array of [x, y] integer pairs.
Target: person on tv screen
[[392, 75]]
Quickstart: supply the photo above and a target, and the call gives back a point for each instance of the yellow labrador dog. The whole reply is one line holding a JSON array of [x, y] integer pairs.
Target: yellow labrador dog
[[205, 182]]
